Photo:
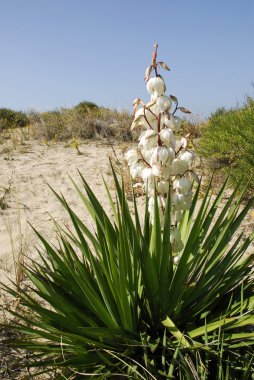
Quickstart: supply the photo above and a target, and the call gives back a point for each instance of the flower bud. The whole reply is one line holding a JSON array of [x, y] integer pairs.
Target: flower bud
[[156, 86]]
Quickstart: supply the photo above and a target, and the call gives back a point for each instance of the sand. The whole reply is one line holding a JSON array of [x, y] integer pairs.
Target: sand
[[24, 176]]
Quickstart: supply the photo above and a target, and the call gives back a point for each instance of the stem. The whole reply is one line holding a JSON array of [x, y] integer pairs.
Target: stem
[[176, 108], [144, 160], [148, 122], [154, 64], [159, 123]]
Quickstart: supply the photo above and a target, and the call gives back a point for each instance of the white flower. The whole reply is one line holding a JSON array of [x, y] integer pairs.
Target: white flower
[[177, 123], [163, 103], [145, 118], [167, 137], [175, 240], [176, 259], [187, 156], [179, 166], [148, 139], [163, 154], [186, 201], [156, 170], [183, 185], [136, 170], [155, 155], [147, 175], [160, 201], [163, 187], [178, 201], [178, 216], [147, 154], [132, 157], [166, 171], [151, 205], [168, 121], [156, 87], [171, 155], [154, 124]]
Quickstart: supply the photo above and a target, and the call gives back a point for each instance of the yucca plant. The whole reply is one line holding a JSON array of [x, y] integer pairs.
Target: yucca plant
[[168, 294], [112, 303]]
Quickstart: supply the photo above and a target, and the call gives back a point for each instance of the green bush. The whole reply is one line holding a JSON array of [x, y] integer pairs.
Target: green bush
[[113, 303], [84, 106], [12, 119], [227, 141]]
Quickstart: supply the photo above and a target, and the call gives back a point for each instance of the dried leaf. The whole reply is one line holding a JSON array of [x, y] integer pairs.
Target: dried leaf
[[148, 72], [136, 101], [184, 142], [185, 110], [164, 65], [173, 98], [133, 125], [150, 104]]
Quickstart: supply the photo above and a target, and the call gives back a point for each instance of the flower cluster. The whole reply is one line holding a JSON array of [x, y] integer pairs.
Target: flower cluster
[[164, 164]]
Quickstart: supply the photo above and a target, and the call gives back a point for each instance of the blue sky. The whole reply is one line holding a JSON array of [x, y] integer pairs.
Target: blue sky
[[59, 52]]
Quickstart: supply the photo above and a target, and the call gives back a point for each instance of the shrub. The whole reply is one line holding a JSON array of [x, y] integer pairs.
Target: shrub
[[227, 141], [84, 106], [94, 122], [12, 119]]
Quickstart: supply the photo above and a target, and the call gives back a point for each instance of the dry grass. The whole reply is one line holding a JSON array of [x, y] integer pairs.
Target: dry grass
[[69, 123]]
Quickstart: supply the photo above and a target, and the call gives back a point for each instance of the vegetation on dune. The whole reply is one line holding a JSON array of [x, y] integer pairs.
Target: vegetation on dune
[[12, 119], [82, 122], [227, 141]]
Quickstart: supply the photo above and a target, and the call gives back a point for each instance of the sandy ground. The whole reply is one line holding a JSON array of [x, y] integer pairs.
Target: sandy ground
[[26, 197]]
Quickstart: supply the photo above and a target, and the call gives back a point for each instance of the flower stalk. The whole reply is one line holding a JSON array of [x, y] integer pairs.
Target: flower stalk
[[164, 164]]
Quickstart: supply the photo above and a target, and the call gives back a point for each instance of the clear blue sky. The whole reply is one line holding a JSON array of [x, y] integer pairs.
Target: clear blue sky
[[59, 52]]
